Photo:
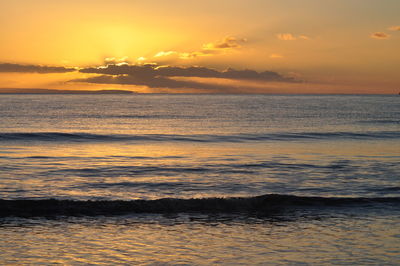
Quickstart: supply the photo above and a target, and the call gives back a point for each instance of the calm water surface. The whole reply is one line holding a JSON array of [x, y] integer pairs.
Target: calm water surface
[[112, 147]]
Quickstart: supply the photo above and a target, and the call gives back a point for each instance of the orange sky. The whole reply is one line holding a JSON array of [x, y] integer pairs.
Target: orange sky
[[314, 46]]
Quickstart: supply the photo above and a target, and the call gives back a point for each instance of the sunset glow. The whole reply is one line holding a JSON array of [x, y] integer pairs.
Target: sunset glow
[[327, 47], [187, 132]]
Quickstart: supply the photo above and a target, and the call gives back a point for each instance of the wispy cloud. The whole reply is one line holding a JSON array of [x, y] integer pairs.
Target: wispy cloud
[[227, 43], [380, 35], [115, 60], [163, 53], [286, 37], [291, 37], [208, 49], [9, 67], [394, 28]]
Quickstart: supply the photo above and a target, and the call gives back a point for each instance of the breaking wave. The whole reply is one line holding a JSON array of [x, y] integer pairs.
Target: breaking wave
[[265, 205]]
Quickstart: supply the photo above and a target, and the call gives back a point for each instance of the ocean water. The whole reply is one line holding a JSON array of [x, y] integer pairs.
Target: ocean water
[[199, 179]]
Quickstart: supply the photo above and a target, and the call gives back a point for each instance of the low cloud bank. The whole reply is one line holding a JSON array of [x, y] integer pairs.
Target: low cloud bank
[[155, 76], [9, 67], [152, 70]]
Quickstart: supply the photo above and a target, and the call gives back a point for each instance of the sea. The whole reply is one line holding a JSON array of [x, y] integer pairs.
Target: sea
[[197, 179]]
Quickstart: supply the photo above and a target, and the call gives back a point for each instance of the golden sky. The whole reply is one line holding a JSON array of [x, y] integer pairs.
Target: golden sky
[[235, 46]]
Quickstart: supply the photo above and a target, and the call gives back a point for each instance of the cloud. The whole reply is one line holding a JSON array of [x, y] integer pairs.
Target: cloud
[[291, 37], [161, 83], [136, 70], [227, 43], [115, 60], [286, 37], [380, 35], [254, 75], [162, 53], [192, 55], [183, 55], [152, 82], [8, 67], [174, 77], [154, 70], [394, 28], [209, 49]]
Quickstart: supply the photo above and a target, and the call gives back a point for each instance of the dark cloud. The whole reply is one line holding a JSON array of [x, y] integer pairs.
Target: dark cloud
[[172, 77], [157, 82], [53, 91], [135, 70], [8, 67], [254, 75], [159, 72]]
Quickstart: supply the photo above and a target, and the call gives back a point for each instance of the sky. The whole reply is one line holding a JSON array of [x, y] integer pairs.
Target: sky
[[208, 46]]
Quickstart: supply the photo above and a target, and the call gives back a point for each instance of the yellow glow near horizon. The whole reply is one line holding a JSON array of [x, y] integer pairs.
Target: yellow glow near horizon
[[320, 41]]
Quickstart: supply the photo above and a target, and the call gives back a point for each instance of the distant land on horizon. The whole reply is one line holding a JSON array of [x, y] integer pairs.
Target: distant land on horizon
[[55, 91], [91, 92]]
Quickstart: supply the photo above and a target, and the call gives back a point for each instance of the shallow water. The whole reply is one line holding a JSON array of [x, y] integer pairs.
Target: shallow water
[[127, 147], [335, 238]]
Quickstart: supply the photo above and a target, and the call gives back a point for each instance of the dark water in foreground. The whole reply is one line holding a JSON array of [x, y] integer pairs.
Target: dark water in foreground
[[332, 163]]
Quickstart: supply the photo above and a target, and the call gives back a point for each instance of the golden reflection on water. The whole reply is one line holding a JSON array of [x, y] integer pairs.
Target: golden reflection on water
[[202, 240], [167, 150], [86, 169]]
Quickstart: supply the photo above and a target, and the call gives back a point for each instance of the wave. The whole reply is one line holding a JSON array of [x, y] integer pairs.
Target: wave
[[88, 137], [221, 168], [262, 205]]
